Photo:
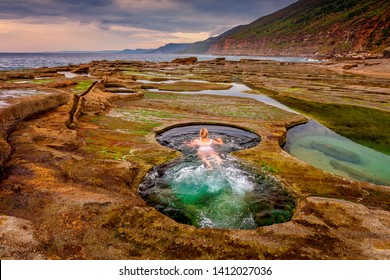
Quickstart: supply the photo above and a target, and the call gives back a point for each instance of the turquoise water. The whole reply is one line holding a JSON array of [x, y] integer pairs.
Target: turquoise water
[[324, 149], [230, 195]]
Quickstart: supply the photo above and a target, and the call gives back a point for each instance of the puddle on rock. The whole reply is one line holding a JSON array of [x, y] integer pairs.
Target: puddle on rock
[[230, 195], [5, 95], [71, 75]]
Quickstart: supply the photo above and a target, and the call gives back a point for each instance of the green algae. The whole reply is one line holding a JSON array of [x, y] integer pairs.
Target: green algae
[[218, 106], [159, 95], [41, 81], [123, 139], [119, 122], [139, 75], [269, 168], [82, 86], [366, 126], [192, 86], [143, 115]]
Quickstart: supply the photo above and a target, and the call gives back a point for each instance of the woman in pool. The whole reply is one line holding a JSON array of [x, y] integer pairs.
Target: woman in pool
[[205, 150]]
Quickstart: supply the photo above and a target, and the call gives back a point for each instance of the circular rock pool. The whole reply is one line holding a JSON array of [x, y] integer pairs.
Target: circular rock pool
[[229, 194]]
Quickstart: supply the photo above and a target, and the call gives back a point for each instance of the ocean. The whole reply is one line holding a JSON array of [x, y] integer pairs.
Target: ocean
[[14, 61]]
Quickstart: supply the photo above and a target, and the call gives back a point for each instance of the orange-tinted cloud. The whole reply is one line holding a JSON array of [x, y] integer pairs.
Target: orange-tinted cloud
[[53, 25]]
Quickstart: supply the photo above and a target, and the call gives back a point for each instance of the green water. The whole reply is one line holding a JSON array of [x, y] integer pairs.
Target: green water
[[324, 149], [229, 195], [212, 198]]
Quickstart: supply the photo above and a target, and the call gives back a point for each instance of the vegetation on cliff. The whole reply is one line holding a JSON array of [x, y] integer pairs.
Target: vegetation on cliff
[[305, 28]]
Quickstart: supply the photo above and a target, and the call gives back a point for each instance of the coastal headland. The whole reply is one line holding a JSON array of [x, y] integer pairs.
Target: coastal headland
[[74, 153]]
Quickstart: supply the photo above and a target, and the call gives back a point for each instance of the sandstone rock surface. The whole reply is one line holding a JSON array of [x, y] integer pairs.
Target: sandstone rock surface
[[69, 188]]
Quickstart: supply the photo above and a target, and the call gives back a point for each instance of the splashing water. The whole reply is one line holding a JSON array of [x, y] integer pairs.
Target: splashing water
[[230, 195]]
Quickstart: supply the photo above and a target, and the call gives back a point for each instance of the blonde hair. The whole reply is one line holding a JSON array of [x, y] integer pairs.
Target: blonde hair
[[203, 133]]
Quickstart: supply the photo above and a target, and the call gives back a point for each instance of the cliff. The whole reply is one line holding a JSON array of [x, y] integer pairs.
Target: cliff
[[324, 28]]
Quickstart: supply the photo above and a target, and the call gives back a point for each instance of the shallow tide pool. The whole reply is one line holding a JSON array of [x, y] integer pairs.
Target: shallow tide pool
[[324, 149]]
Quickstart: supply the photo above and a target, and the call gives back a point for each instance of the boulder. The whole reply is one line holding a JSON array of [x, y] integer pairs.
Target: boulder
[[349, 66], [185, 60]]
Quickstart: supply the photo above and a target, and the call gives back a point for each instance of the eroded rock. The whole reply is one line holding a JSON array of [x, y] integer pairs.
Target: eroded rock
[[18, 239], [353, 226]]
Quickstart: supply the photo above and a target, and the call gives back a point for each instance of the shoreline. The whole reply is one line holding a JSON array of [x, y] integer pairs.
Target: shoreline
[[374, 66], [131, 57]]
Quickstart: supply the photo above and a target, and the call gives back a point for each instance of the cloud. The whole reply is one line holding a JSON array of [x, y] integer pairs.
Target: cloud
[[145, 20]]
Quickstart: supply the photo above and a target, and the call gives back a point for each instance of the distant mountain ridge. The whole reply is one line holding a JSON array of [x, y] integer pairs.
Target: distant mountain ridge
[[322, 28], [166, 49]]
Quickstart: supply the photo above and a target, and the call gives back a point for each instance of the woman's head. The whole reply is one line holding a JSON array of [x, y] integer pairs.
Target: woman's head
[[203, 133]]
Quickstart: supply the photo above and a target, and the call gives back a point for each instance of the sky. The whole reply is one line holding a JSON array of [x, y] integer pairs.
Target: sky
[[96, 25]]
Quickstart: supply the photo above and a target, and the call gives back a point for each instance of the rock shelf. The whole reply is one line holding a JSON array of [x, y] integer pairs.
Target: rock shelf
[[72, 162]]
